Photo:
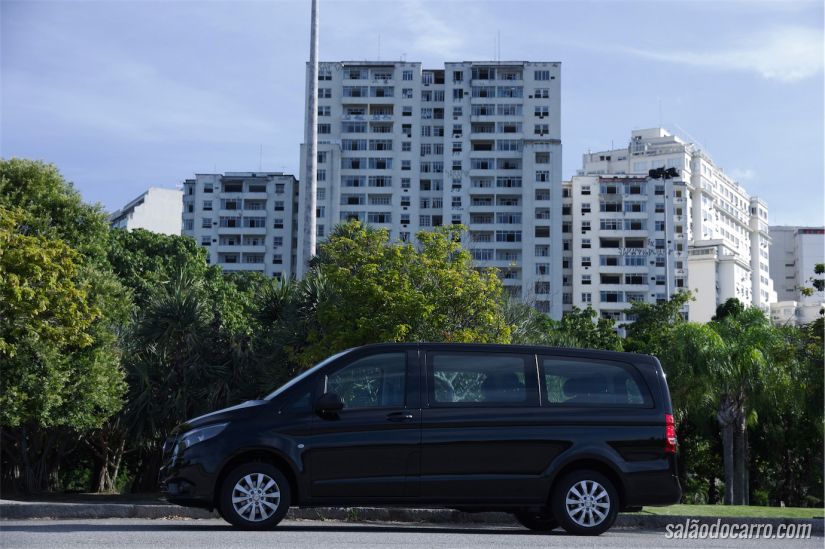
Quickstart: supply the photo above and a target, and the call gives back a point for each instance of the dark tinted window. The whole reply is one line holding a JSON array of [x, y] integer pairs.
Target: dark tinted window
[[371, 382], [457, 379], [576, 381]]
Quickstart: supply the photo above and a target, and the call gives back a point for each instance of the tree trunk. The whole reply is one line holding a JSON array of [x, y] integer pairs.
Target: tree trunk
[[713, 496], [739, 456], [725, 416], [747, 483]]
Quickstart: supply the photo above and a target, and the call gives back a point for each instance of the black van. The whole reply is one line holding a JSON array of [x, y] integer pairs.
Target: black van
[[563, 437]]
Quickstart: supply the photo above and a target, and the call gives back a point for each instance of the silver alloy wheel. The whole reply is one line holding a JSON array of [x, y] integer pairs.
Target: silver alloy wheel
[[256, 497], [587, 503]]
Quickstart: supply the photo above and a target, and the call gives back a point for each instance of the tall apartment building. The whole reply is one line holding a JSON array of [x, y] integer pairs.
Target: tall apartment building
[[475, 143], [625, 240], [245, 220], [795, 251], [725, 229], [157, 210]]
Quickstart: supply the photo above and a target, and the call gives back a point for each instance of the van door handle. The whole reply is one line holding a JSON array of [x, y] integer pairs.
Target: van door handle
[[399, 416]]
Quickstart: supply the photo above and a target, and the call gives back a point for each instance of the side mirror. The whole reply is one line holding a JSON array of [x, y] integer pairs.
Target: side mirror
[[329, 403]]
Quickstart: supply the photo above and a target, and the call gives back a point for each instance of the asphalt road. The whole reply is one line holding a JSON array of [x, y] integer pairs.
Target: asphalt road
[[206, 534]]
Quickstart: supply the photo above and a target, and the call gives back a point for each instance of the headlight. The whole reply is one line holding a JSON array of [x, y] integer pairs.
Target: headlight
[[199, 435]]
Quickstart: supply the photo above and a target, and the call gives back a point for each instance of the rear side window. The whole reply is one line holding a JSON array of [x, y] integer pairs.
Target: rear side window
[[478, 379], [585, 382], [372, 382]]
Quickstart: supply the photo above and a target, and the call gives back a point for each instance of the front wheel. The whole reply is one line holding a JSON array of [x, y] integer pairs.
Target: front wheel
[[585, 503], [254, 496], [538, 522]]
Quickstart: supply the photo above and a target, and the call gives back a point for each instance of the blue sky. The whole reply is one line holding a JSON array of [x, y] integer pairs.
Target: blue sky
[[127, 95]]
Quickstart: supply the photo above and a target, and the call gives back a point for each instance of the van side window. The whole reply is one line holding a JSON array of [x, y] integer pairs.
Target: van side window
[[578, 381], [375, 381], [457, 379]]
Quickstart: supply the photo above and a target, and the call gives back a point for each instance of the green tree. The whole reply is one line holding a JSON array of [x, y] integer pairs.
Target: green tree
[[42, 298], [61, 312], [731, 307], [590, 330], [731, 367], [54, 208], [817, 281], [654, 321], [391, 291]]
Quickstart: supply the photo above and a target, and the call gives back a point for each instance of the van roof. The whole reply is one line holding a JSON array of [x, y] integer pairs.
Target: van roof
[[636, 358]]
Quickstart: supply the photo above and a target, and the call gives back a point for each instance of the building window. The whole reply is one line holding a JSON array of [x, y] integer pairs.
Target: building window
[[206, 223], [407, 76], [207, 205], [541, 75], [587, 297], [206, 240]]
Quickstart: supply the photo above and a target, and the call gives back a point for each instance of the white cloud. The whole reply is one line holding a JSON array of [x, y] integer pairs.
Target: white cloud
[[432, 35], [785, 54], [740, 175]]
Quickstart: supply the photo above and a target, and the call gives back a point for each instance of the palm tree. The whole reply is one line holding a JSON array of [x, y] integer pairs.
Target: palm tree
[[732, 363]]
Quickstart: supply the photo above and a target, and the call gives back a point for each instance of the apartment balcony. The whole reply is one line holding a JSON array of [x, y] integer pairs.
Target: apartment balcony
[[254, 230], [367, 117], [259, 267], [241, 248]]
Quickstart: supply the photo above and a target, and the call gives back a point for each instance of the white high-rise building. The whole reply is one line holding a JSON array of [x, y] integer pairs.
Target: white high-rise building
[[476, 143], [157, 210], [616, 229], [726, 230], [245, 220], [795, 252]]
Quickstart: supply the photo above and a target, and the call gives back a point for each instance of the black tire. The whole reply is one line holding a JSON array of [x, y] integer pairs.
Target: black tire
[[596, 496], [538, 522], [248, 481]]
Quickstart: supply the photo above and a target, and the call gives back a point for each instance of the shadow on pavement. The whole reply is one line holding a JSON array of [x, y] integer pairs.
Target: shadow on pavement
[[161, 526]]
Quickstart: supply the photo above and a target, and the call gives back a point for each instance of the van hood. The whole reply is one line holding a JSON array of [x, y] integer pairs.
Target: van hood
[[233, 413]]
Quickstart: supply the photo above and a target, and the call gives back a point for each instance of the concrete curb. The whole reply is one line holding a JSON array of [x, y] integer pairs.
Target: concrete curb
[[62, 511]]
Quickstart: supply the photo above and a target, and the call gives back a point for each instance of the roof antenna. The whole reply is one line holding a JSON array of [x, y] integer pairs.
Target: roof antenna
[[379, 46], [261, 158], [498, 47]]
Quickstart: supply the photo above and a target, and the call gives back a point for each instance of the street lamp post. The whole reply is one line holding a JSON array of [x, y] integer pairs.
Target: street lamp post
[[665, 175], [311, 172]]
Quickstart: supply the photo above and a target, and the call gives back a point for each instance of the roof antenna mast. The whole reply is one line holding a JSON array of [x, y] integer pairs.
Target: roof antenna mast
[[311, 183]]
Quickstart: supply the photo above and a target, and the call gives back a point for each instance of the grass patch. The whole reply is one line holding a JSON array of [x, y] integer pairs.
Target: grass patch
[[742, 511]]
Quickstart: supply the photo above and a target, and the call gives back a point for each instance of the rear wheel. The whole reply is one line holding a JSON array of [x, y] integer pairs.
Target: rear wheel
[[585, 503], [538, 522], [255, 496]]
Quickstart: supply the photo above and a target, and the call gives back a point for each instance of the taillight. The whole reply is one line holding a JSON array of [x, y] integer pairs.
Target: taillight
[[670, 434]]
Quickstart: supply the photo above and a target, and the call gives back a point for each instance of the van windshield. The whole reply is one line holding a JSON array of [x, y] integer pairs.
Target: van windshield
[[299, 378]]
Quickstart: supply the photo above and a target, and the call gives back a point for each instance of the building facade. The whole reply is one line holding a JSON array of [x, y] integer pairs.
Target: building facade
[[157, 210], [624, 241], [724, 228], [474, 143], [795, 252], [245, 220]]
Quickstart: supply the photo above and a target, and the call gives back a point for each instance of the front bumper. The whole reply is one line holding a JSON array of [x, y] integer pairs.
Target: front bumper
[[188, 476]]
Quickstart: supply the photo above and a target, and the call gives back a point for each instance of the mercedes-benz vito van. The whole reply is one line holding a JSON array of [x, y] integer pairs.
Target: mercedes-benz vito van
[[558, 437]]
